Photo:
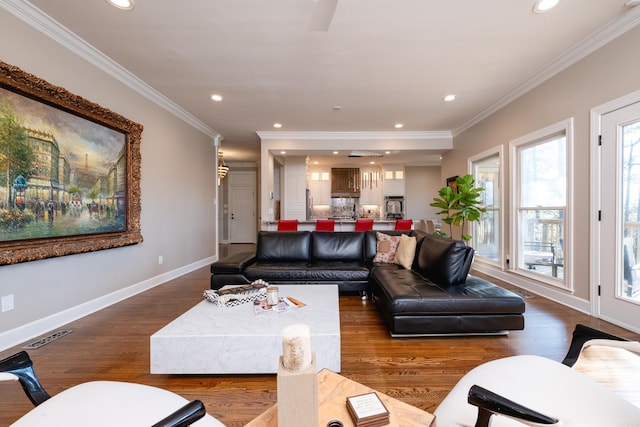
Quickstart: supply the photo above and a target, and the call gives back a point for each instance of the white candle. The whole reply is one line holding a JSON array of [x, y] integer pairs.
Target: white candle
[[296, 347]]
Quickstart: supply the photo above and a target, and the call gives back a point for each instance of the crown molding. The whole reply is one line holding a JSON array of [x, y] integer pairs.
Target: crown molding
[[37, 19], [595, 41], [51, 28], [385, 135]]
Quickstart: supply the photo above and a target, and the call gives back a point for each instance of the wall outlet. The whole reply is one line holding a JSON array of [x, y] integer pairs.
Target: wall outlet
[[160, 260], [7, 303]]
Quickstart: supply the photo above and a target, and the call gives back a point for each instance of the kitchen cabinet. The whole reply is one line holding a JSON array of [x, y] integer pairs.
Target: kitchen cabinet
[[394, 181], [345, 182], [320, 186], [293, 202], [371, 186]]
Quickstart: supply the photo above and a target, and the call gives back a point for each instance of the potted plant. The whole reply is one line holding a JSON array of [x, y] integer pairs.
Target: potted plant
[[459, 203]]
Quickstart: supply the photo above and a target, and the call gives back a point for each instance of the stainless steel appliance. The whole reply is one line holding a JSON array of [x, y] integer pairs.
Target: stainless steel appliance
[[394, 207]]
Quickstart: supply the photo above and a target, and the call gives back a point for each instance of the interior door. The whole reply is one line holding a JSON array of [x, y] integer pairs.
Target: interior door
[[242, 207], [620, 217]]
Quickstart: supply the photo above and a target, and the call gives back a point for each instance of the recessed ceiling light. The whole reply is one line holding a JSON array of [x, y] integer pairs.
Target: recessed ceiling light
[[372, 163], [450, 98], [283, 152], [542, 6], [398, 125], [277, 125], [216, 97], [335, 152], [387, 152], [122, 4]]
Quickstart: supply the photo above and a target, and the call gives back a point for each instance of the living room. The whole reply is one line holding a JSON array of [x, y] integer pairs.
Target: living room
[[179, 210]]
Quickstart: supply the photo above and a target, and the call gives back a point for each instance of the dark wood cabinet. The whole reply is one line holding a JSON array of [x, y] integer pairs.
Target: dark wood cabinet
[[345, 182]]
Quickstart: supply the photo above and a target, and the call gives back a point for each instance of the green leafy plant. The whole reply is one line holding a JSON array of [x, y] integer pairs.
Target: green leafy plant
[[459, 205]]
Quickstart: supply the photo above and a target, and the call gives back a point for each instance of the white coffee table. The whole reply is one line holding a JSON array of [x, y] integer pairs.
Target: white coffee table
[[209, 339]]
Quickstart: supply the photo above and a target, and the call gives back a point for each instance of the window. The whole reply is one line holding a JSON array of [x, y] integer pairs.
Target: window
[[486, 234], [540, 177]]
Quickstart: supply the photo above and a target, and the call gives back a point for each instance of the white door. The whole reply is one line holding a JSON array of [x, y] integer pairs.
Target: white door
[[620, 217], [242, 207]]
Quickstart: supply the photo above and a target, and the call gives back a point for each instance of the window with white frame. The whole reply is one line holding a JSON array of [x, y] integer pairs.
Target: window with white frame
[[540, 182], [486, 234]]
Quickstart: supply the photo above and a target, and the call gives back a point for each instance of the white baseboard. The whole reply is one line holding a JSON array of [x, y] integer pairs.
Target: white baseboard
[[39, 327]]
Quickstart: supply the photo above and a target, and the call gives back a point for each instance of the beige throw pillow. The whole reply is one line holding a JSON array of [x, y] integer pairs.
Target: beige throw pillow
[[406, 251], [386, 247]]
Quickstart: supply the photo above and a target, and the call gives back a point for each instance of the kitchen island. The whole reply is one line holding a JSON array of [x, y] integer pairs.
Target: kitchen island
[[341, 225]]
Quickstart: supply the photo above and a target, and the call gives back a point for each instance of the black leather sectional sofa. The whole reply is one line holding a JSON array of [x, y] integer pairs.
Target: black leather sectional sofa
[[436, 296]]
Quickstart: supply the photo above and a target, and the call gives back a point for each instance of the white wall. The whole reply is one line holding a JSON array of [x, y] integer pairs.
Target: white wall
[[608, 73], [178, 191]]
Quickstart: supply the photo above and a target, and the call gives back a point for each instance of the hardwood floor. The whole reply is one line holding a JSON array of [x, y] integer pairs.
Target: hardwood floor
[[113, 344]]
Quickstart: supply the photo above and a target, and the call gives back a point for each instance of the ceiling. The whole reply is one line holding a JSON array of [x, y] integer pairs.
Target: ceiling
[[380, 62]]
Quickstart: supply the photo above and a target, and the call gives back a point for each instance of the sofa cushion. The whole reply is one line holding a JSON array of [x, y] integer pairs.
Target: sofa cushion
[[280, 246], [337, 271], [406, 251], [419, 235], [277, 271], [371, 241], [444, 261], [386, 247], [409, 294], [302, 272], [342, 246]]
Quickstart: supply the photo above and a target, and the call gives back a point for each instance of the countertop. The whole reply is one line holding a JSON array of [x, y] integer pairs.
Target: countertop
[[342, 224], [338, 221]]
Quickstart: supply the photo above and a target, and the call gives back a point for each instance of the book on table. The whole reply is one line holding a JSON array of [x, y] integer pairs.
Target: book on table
[[367, 410], [261, 306]]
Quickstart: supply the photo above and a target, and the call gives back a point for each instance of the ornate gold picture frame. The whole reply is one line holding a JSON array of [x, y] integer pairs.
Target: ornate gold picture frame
[[69, 172]]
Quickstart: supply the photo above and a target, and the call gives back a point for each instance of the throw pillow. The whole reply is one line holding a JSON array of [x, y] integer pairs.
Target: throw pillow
[[406, 251], [386, 247]]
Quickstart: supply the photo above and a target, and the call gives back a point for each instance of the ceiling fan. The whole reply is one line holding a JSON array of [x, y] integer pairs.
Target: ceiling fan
[[322, 15]]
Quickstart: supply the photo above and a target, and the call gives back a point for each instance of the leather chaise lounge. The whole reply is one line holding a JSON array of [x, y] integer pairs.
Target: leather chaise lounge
[[436, 296]]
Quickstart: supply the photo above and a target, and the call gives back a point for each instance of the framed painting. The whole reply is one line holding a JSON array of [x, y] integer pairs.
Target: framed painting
[[453, 183], [69, 172]]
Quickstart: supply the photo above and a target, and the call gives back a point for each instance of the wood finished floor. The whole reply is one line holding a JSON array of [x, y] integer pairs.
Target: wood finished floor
[[113, 344]]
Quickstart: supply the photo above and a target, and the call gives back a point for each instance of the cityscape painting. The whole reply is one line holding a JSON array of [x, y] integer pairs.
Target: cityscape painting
[[69, 172]]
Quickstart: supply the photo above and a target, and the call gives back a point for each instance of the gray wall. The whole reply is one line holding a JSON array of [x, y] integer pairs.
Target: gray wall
[[178, 199], [608, 73], [421, 186]]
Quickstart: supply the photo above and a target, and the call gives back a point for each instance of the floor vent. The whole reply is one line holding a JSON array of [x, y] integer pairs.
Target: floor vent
[[46, 340], [522, 293]]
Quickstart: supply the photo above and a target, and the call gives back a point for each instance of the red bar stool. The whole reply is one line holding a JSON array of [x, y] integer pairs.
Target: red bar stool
[[364, 224], [288, 225], [404, 224], [325, 224]]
